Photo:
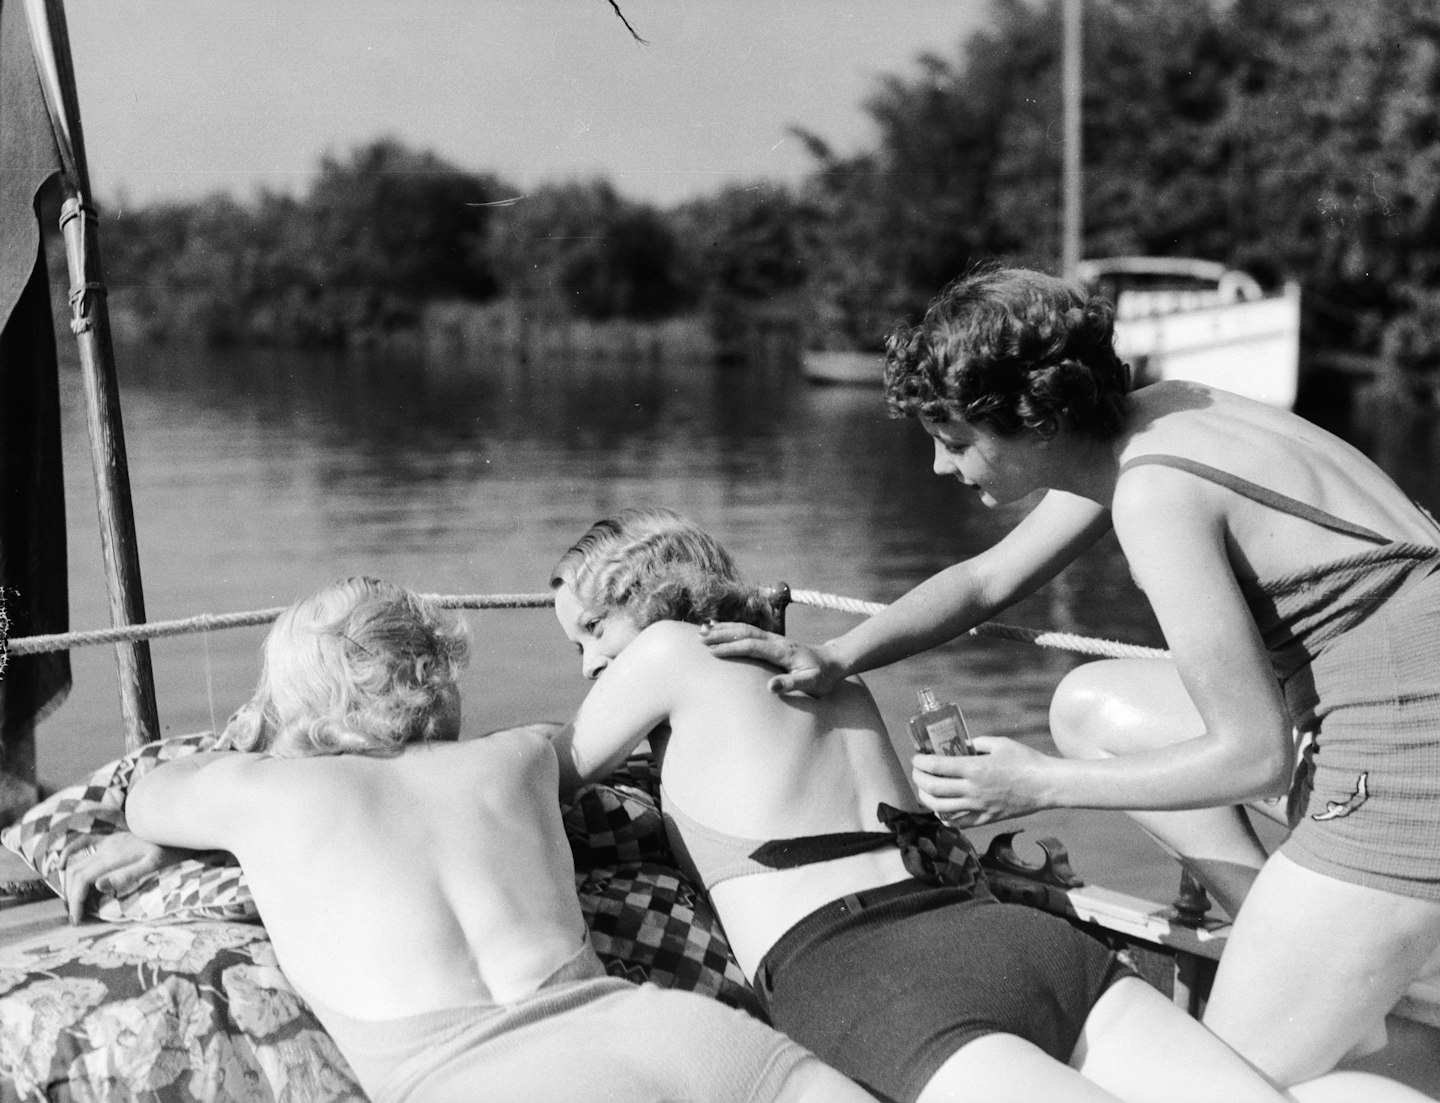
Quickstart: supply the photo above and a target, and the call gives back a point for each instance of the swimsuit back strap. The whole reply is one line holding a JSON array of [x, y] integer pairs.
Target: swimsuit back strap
[[1257, 493], [809, 849]]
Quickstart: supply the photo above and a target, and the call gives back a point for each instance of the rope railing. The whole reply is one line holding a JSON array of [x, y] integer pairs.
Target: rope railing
[[1061, 641], [210, 622]]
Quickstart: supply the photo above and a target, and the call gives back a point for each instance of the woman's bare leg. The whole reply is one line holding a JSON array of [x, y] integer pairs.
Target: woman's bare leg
[[1124, 706], [1140, 1047], [813, 1081], [1311, 968], [1003, 1068]]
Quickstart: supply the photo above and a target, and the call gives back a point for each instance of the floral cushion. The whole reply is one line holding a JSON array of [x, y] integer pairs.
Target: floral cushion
[[198, 1011], [207, 886]]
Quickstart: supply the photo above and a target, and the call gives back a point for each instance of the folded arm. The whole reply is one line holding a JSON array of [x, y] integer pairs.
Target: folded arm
[[629, 701], [1175, 540], [200, 802]]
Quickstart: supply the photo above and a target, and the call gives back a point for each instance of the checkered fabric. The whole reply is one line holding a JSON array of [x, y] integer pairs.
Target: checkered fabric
[[648, 923], [209, 887], [613, 824], [76, 817]]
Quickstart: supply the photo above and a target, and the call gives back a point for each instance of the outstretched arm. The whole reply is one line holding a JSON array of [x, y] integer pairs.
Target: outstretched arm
[[938, 609]]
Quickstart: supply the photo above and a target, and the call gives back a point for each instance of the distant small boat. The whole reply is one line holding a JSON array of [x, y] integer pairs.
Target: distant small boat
[[1182, 318], [847, 367]]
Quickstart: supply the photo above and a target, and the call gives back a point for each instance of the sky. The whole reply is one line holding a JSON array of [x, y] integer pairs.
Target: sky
[[181, 98]]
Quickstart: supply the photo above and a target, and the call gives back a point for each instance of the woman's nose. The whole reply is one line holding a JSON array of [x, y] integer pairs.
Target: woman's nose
[[943, 463], [592, 665]]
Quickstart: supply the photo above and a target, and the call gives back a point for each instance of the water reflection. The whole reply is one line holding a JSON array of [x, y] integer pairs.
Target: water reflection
[[260, 474]]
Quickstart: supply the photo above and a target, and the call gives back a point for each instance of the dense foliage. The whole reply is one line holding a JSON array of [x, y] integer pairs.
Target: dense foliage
[[1298, 141]]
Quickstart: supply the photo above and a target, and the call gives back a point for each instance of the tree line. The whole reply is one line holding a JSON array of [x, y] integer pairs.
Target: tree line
[[1296, 141]]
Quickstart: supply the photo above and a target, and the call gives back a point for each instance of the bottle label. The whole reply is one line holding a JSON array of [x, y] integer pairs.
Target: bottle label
[[948, 737]]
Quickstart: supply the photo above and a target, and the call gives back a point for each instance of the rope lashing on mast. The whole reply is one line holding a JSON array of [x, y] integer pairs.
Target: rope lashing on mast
[[209, 622]]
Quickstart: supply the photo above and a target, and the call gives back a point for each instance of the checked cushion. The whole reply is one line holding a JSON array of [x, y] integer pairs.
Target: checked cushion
[[207, 886], [649, 923], [608, 825]]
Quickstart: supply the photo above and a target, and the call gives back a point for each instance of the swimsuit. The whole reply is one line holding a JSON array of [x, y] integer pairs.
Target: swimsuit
[[1355, 644], [581, 1035], [886, 984]]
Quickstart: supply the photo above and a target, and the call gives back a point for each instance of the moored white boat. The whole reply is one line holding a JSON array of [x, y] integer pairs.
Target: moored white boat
[[1183, 318], [1175, 318]]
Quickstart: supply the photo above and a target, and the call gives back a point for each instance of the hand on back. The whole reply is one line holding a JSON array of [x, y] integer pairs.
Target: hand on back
[[806, 669]]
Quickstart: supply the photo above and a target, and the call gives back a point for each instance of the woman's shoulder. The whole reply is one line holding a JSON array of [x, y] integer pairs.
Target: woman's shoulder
[[667, 639]]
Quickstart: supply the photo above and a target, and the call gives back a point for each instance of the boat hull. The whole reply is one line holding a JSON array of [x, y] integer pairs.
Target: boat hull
[[1250, 347]]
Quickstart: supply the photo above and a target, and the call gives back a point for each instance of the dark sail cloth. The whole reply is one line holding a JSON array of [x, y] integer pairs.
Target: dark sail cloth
[[32, 500]]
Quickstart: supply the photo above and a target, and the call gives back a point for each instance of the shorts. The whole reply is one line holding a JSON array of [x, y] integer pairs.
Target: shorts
[[887, 984]]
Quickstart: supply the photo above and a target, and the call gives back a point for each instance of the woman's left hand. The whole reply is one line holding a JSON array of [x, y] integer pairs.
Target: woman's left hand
[[1002, 780]]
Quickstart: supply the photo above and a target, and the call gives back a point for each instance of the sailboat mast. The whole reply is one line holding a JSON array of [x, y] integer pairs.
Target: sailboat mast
[[1073, 230], [90, 322]]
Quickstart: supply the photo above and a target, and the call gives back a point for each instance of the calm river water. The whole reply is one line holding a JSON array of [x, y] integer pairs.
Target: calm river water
[[259, 475]]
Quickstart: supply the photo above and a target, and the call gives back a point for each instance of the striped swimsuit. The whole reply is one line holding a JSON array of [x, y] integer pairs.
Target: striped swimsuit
[[1355, 643]]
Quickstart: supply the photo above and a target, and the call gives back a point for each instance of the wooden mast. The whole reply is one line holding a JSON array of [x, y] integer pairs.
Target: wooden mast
[[1073, 229], [90, 322]]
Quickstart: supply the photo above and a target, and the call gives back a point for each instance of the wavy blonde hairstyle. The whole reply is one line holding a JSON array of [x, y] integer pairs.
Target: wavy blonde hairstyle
[[654, 564], [363, 666]]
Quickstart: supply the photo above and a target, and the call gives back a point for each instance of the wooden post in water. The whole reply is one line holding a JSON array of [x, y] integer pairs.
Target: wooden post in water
[[90, 322]]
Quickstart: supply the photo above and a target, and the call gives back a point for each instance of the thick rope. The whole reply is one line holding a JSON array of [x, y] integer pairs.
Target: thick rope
[[1062, 641], [209, 622]]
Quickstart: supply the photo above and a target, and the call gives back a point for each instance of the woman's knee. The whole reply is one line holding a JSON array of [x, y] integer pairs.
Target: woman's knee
[[1078, 723], [1121, 706]]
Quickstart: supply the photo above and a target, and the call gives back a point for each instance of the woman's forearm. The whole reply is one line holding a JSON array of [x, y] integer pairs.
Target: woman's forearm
[[1198, 773], [958, 598], [934, 612]]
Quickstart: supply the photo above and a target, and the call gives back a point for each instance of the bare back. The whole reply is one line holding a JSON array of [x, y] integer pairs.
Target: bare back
[[1284, 453], [395, 886], [746, 762]]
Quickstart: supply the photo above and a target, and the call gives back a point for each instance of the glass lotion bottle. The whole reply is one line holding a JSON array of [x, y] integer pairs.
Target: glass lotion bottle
[[939, 729]]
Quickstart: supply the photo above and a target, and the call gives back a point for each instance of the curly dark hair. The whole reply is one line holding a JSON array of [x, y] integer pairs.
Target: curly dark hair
[[1014, 349], [653, 564]]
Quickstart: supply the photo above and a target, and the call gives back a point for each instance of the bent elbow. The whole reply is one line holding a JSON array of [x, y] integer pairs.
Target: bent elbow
[[137, 811], [1268, 776]]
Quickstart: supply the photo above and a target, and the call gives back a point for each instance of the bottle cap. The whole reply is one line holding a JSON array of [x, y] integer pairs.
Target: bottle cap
[[927, 699]]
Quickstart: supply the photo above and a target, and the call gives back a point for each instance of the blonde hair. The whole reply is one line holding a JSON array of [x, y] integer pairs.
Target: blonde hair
[[654, 564], [363, 666]]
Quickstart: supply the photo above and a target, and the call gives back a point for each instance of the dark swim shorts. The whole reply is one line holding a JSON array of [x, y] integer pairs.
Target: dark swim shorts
[[886, 985]]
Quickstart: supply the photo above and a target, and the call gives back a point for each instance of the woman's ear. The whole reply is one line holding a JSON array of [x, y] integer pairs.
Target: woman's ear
[[1047, 428], [246, 730]]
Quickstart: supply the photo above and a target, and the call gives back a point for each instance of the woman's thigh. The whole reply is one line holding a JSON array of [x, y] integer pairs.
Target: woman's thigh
[[1312, 966]]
